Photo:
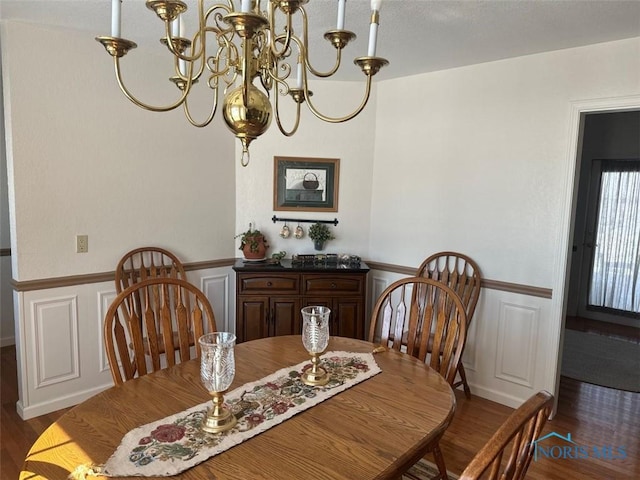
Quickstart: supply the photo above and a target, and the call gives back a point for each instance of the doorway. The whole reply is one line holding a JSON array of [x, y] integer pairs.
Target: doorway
[[610, 141], [610, 144]]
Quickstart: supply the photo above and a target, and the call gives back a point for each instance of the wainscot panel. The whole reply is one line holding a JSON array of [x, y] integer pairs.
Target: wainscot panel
[[507, 343], [60, 349]]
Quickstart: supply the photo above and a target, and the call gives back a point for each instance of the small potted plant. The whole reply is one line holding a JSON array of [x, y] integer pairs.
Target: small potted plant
[[253, 244], [319, 233]]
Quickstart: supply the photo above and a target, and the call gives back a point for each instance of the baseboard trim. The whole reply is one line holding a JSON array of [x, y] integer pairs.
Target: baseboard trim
[[59, 403], [496, 396], [7, 341]]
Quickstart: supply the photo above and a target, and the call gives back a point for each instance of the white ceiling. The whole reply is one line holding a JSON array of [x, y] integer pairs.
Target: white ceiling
[[416, 36]]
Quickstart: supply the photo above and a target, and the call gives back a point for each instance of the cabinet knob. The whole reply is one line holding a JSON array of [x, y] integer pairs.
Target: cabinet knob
[[333, 285], [269, 284]]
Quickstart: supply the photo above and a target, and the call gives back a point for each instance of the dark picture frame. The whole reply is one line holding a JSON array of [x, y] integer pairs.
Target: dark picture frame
[[305, 184]]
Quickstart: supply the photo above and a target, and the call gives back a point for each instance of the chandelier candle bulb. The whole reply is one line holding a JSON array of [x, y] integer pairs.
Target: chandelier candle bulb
[[299, 74], [373, 29], [115, 18], [246, 6], [341, 8], [175, 28]]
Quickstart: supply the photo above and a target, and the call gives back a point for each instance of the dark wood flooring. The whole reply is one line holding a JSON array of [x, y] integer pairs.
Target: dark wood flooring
[[594, 415]]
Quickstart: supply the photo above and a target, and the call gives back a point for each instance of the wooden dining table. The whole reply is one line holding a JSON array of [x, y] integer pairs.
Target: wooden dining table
[[376, 429]]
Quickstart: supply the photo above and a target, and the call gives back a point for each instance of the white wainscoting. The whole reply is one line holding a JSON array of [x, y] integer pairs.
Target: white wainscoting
[[507, 343], [55, 322], [60, 353], [61, 358]]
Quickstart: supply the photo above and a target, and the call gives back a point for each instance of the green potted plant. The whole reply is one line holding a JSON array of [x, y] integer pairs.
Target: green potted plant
[[319, 233], [253, 244]]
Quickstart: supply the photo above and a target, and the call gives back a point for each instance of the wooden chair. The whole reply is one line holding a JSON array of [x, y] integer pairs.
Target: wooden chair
[[147, 262], [463, 275], [151, 325], [422, 315], [520, 430], [142, 263]]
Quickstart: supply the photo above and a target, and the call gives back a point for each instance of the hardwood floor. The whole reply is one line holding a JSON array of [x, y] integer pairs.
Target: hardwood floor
[[593, 415], [16, 435]]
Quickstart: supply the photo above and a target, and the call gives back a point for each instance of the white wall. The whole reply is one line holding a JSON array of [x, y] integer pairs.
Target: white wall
[[351, 142], [85, 160], [7, 330], [477, 156]]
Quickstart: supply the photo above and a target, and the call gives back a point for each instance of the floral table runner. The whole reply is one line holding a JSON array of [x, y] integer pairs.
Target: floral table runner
[[175, 443]]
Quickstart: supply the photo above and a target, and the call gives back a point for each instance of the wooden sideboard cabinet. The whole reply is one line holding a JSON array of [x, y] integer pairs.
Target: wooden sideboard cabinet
[[269, 298]]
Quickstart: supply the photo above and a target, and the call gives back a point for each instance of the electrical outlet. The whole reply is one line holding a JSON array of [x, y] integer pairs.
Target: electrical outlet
[[82, 243]]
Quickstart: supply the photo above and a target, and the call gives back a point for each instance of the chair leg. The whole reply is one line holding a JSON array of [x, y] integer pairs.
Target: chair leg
[[439, 458], [465, 385]]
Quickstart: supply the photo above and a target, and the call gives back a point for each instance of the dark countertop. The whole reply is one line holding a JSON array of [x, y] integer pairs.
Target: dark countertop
[[286, 265]]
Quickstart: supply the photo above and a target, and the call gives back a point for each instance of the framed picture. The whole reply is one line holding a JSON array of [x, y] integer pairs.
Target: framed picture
[[306, 184]]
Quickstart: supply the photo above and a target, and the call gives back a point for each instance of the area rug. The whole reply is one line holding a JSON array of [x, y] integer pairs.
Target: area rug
[[601, 360], [425, 470]]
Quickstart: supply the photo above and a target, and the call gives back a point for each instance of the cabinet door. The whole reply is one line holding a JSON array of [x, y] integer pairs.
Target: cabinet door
[[252, 318], [285, 316], [349, 317]]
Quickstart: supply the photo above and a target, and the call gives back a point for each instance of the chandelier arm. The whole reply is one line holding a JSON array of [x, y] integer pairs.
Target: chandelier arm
[[152, 108], [324, 74], [305, 42], [212, 113], [202, 58], [339, 119], [172, 48], [280, 127], [201, 33], [204, 17], [273, 37], [231, 62]]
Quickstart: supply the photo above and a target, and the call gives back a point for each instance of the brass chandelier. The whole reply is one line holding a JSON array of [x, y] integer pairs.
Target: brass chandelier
[[245, 44]]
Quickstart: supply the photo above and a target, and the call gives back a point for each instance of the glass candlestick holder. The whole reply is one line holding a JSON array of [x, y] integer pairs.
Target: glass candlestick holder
[[217, 369], [315, 338]]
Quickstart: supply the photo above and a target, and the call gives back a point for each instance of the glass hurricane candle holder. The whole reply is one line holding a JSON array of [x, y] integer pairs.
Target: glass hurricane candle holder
[[217, 369], [315, 338]]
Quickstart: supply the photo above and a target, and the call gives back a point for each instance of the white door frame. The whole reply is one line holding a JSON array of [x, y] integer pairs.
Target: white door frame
[[562, 268]]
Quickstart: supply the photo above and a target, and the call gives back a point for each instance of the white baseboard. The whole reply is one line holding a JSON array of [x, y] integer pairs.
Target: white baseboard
[[496, 396], [6, 341], [43, 408]]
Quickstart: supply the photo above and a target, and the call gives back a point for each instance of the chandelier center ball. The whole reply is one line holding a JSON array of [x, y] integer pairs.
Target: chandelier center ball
[[250, 120]]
